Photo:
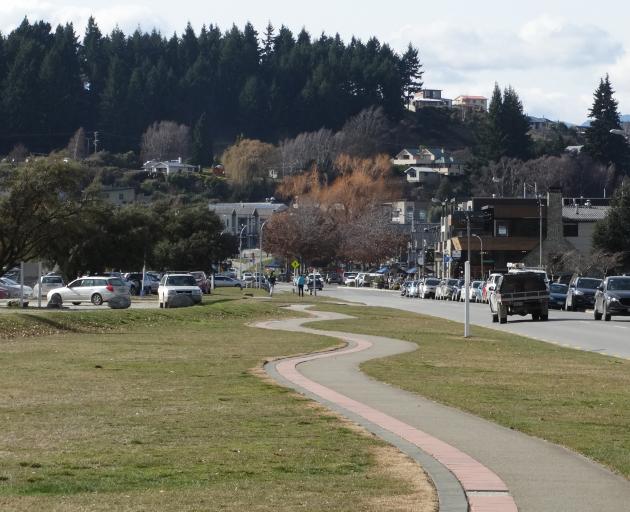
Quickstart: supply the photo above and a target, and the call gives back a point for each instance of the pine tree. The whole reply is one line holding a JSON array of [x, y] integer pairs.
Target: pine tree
[[602, 145], [515, 125], [411, 73], [202, 153]]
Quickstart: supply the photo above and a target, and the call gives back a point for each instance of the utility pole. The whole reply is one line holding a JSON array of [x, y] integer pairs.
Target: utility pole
[[96, 142], [540, 230], [467, 280]]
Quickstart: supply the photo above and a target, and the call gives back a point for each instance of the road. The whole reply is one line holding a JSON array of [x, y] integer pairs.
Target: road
[[570, 329]]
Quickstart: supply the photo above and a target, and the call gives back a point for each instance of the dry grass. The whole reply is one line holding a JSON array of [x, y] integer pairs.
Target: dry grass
[[159, 410]]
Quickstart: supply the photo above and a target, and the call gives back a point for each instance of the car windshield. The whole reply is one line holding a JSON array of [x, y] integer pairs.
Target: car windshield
[[477, 284], [52, 280], [452, 282], [8, 281], [619, 283], [590, 284], [558, 288], [181, 281], [432, 282]]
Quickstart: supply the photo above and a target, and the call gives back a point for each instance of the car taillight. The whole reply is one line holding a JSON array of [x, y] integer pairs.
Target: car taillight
[[109, 288]]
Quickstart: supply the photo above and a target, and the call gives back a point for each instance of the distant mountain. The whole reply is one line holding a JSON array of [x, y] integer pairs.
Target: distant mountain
[[624, 118]]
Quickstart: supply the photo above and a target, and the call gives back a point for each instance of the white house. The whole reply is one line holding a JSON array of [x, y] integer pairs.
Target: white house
[[168, 167], [422, 175], [434, 158]]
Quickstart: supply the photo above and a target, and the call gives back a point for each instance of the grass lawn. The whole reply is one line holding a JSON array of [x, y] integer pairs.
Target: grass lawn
[[160, 410], [577, 399]]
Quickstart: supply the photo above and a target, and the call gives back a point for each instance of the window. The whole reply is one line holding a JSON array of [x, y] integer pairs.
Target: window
[[570, 230], [502, 230]]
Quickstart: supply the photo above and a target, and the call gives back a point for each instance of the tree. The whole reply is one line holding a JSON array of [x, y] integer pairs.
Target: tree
[[202, 153], [165, 140], [411, 71], [77, 146], [249, 159], [612, 234], [42, 199], [602, 145]]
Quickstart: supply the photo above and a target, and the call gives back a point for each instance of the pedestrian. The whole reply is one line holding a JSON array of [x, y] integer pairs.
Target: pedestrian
[[272, 283], [300, 282]]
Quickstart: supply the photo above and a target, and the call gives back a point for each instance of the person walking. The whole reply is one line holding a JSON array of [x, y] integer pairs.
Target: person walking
[[272, 283], [300, 283]]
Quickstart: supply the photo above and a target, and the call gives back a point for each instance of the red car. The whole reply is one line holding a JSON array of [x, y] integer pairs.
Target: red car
[[202, 281], [4, 293]]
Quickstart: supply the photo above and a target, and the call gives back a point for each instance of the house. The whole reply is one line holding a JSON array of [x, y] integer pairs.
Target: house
[[422, 175], [539, 123], [243, 220], [470, 104], [434, 158], [579, 216], [168, 167], [429, 98], [118, 196]]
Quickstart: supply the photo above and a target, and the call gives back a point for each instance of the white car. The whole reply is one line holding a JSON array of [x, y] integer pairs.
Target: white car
[[350, 278], [48, 282], [178, 290], [247, 277], [95, 289]]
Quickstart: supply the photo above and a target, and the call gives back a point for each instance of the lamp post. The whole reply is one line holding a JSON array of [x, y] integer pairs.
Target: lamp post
[[240, 250], [540, 230], [480, 254], [261, 244]]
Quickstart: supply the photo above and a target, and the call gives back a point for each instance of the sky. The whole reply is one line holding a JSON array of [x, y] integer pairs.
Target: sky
[[553, 52]]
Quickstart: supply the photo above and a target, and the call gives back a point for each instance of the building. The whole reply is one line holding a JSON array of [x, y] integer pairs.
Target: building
[[509, 230], [243, 220], [469, 104], [118, 196], [168, 167], [437, 159], [431, 98], [538, 124]]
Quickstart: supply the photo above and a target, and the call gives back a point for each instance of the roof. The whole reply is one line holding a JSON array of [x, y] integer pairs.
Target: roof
[[584, 213], [246, 208], [533, 119], [428, 170], [465, 96]]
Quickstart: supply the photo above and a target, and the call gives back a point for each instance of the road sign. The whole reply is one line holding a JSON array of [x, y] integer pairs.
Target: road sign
[[446, 258], [456, 254], [295, 264]]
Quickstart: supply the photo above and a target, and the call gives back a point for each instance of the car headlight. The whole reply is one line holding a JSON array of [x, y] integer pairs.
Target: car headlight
[[578, 292], [613, 299]]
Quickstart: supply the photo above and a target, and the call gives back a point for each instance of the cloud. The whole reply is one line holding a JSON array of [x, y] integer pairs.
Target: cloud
[[127, 16], [541, 42]]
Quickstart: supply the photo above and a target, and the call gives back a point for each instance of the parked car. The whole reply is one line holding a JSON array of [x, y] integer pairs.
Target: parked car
[[317, 279], [47, 283], [412, 289], [489, 286], [446, 288], [457, 289], [404, 288], [429, 287], [350, 278], [557, 295], [581, 293], [333, 278], [95, 289], [15, 289], [202, 280], [476, 288], [222, 281], [150, 285], [247, 277], [178, 290], [4, 293], [612, 298]]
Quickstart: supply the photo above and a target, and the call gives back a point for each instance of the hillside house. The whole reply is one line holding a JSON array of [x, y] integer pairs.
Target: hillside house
[[169, 167], [436, 159]]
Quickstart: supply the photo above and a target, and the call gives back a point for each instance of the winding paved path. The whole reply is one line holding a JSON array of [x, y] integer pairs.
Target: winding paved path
[[472, 462]]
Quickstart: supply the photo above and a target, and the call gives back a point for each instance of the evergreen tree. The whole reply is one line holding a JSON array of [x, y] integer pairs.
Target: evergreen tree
[[411, 73], [517, 142], [612, 234], [202, 153], [602, 145]]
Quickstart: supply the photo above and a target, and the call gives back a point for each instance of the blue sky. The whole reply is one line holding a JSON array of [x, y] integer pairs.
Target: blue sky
[[552, 52]]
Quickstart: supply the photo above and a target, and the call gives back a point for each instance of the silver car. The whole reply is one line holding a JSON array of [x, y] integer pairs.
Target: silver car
[[15, 289], [47, 283], [94, 289]]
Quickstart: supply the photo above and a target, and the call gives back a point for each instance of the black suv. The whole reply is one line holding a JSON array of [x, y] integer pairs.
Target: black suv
[[612, 297], [581, 293]]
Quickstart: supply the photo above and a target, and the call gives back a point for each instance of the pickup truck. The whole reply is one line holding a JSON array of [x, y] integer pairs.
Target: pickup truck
[[523, 293]]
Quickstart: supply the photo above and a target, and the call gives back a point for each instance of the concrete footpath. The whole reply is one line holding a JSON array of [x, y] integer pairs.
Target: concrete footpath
[[474, 463]]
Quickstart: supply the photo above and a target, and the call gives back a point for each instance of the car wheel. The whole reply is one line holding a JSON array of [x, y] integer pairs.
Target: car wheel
[[503, 320], [97, 299], [544, 318], [76, 303], [535, 317], [607, 315], [56, 300], [495, 318], [161, 305], [596, 314]]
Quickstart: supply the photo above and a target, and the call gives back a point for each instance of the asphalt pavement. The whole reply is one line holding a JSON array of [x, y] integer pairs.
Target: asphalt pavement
[[571, 329]]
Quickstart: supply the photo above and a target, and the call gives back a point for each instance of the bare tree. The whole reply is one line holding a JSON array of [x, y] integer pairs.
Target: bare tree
[[307, 149], [166, 140], [364, 134], [77, 146]]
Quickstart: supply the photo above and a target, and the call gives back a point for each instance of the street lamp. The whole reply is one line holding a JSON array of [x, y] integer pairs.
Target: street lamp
[[480, 254], [240, 249], [261, 244]]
